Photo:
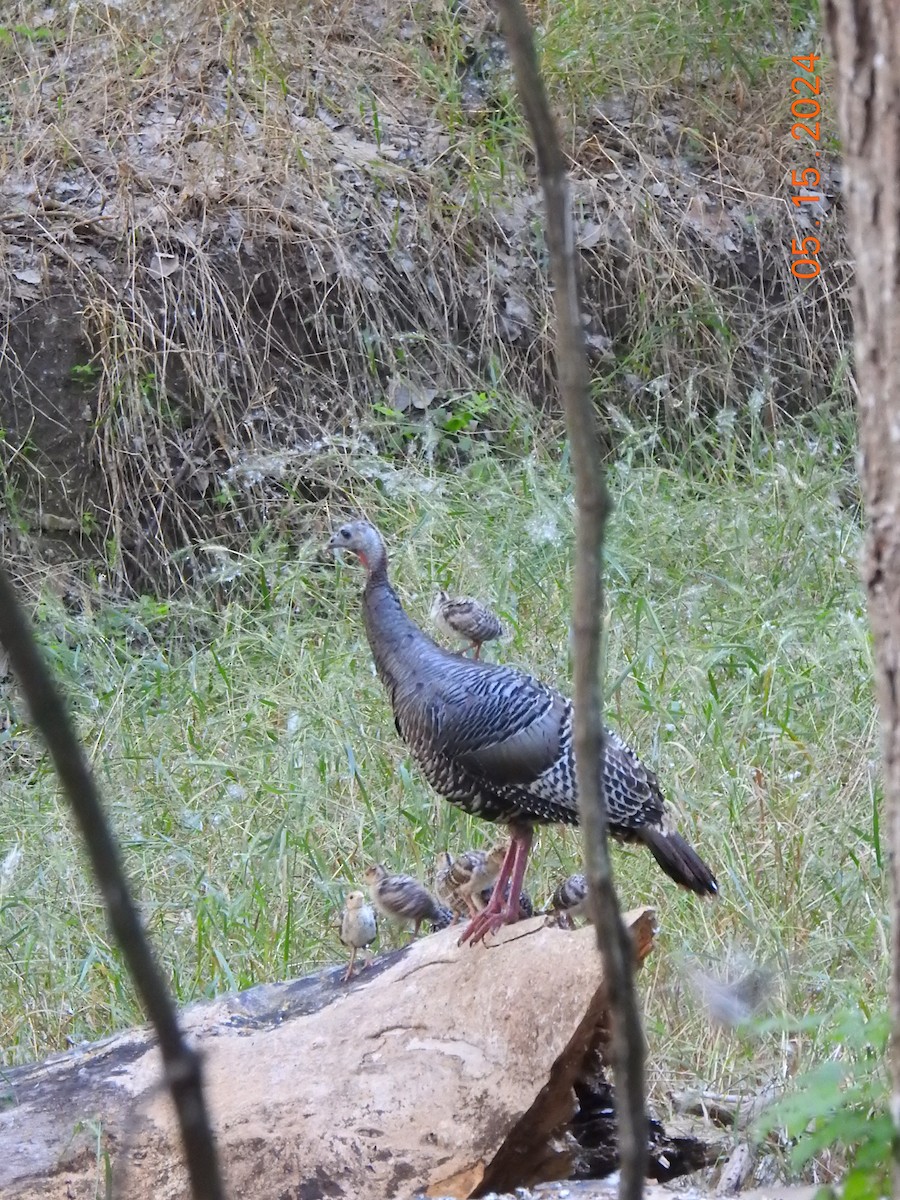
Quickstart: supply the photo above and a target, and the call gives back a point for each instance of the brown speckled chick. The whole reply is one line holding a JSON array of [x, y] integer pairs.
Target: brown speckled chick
[[443, 888], [402, 898], [569, 901], [526, 904], [469, 874], [464, 618], [358, 927]]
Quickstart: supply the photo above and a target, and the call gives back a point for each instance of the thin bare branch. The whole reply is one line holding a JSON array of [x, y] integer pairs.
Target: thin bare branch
[[182, 1065], [593, 505]]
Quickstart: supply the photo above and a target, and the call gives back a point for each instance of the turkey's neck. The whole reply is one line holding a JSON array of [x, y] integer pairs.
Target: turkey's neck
[[391, 633]]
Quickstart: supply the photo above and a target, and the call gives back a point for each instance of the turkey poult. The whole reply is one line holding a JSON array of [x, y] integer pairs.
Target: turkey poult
[[404, 899], [569, 901], [358, 927], [498, 743], [443, 888], [526, 904], [460, 881], [465, 618], [443, 919]]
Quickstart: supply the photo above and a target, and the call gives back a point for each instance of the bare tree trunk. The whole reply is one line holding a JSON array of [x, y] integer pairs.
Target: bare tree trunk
[[865, 36]]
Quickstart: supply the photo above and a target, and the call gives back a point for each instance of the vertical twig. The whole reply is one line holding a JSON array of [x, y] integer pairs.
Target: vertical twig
[[182, 1065], [593, 505]]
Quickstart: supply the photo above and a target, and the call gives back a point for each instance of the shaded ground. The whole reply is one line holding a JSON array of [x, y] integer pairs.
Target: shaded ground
[[601, 1189]]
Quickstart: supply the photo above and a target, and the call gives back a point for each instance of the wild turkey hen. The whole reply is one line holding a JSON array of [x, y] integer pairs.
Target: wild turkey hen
[[498, 743]]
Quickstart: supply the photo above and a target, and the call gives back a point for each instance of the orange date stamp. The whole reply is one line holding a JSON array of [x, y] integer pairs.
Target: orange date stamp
[[805, 110]]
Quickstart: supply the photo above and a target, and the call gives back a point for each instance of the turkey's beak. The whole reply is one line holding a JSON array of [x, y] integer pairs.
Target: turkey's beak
[[333, 543]]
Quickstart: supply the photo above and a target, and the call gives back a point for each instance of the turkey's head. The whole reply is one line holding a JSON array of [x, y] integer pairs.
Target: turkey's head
[[363, 539]]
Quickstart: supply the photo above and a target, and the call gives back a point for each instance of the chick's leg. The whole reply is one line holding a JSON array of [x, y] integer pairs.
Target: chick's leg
[[349, 970]]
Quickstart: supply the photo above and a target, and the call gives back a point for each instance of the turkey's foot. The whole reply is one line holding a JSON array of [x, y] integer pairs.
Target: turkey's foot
[[477, 930], [508, 885], [494, 917]]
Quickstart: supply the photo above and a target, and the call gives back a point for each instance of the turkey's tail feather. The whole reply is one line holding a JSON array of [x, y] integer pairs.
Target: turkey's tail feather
[[679, 860]]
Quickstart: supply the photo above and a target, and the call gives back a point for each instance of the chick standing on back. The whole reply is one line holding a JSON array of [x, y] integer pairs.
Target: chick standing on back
[[358, 927], [403, 898], [465, 618]]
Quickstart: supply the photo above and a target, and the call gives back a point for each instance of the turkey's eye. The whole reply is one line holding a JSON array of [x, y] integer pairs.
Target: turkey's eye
[[345, 534]]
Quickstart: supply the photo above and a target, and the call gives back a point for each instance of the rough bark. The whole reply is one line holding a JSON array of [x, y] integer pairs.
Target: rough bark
[[865, 35], [440, 1068]]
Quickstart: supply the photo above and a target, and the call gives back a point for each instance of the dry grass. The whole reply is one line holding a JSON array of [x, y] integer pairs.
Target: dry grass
[[274, 229]]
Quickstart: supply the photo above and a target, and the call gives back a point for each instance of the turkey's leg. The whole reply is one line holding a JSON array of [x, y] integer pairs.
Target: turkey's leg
[[490, 915], [500, 910], [511, 912]]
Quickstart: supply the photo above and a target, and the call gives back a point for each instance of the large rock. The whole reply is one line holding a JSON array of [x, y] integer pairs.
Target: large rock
[[439, 1068]]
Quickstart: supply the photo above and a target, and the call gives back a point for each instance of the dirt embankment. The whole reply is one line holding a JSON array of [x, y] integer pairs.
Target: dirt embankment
[[231, 245]]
